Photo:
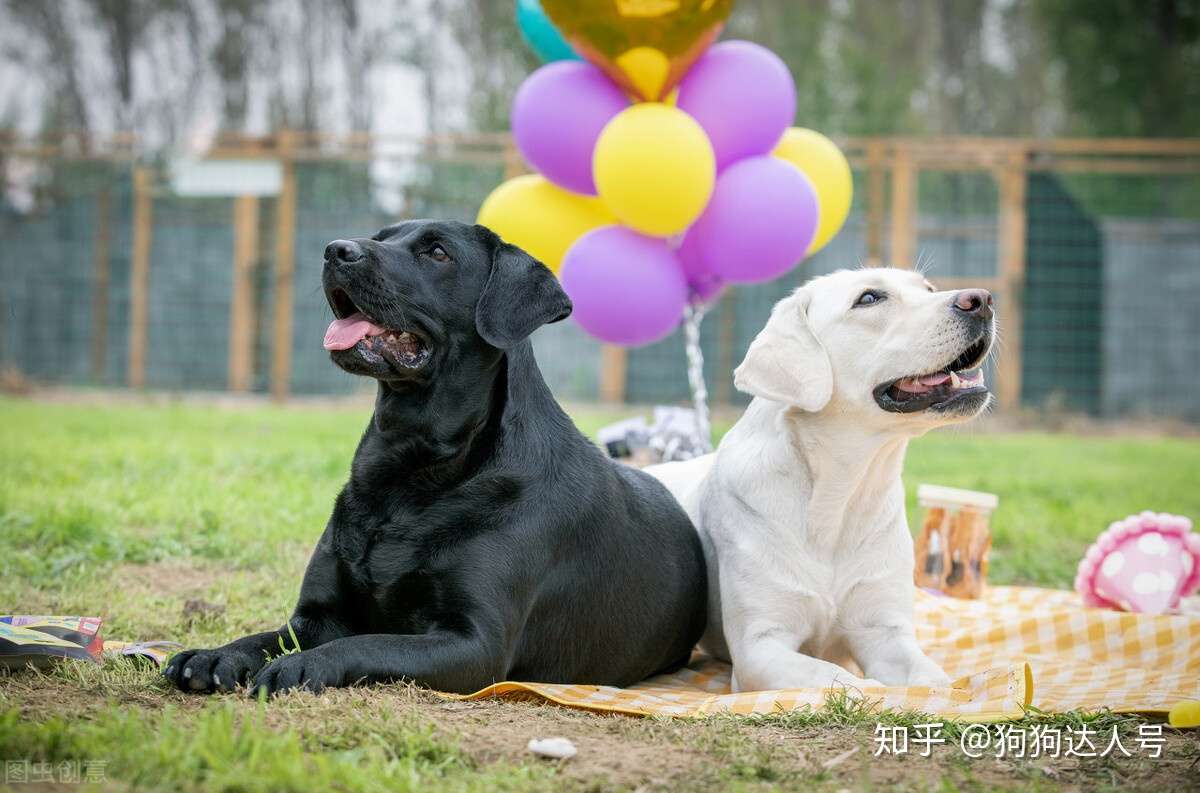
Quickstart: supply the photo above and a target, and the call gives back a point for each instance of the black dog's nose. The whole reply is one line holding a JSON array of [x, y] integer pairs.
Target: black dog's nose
[[974, 301], [343, 251]]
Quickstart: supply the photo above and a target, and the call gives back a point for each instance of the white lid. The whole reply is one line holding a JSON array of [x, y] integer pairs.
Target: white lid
[[936, 495]]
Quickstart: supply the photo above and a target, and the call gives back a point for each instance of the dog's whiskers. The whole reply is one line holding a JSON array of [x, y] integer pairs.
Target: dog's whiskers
[[924, 263]]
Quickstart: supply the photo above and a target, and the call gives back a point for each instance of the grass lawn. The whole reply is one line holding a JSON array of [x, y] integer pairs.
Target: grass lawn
[[130, 510]]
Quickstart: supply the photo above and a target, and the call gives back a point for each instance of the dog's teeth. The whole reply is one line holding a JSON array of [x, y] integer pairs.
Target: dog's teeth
[[955, 381]]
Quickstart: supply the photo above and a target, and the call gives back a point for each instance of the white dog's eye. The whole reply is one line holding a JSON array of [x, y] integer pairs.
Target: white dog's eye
[[870, 297]]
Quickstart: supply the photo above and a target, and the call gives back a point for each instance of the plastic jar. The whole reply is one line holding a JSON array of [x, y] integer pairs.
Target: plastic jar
[[952, 548]]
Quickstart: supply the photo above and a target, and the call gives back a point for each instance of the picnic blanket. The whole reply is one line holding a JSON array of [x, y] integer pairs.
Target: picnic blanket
[[1014, 647]]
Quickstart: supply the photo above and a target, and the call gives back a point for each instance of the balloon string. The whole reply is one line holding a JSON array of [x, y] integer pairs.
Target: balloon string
[[692, 315]]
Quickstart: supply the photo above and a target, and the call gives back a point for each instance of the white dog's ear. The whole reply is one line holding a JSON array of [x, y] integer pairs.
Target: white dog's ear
[[786, 362]]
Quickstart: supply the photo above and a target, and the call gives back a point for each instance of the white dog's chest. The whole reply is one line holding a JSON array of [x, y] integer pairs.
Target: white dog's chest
[[803, 580], [811, 585], [822, 585]]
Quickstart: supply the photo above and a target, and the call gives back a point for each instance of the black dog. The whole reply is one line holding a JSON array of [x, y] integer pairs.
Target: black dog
[[481, 536]]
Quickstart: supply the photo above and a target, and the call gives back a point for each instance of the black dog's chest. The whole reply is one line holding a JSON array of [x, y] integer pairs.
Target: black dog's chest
[[388, 572], [399, 569], [378, 558], [403, 556]]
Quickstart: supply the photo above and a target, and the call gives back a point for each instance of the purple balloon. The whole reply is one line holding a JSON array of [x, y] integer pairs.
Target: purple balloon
[[744, 97], [557, 116], [759, 223], [705, 285], [627, 288]]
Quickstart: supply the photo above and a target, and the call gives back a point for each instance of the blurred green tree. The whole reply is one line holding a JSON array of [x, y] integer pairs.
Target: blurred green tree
[[1130, 67]]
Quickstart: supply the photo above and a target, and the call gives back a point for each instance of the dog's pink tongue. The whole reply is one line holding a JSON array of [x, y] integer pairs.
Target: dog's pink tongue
[[920, 385], [345, 333]]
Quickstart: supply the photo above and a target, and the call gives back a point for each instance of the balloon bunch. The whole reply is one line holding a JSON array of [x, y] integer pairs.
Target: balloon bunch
[[666, 168]]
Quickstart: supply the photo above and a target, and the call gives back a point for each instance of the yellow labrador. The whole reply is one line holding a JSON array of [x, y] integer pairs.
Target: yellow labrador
[[801, 508]]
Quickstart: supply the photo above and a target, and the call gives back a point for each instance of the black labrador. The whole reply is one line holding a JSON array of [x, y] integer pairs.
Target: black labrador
[[481, 536]]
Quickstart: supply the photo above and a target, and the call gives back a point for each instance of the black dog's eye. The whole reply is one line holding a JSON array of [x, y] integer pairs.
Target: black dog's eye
[[438, 254], [870, 298]]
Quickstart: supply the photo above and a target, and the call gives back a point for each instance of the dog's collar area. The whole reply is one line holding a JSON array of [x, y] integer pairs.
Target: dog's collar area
[[958, 382]]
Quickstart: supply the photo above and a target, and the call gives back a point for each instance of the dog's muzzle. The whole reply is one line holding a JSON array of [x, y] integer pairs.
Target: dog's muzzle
[[957, 387]]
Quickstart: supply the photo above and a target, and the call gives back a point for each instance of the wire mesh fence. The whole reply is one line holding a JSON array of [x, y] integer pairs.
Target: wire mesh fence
[[112, 276]]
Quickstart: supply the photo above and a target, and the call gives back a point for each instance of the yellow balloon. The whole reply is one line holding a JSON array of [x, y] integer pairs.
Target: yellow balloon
[[654, 167], [825, 166], [545, 220]]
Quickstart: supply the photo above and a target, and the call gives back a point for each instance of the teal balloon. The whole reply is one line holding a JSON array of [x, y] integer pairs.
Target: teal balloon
[[541, 35]]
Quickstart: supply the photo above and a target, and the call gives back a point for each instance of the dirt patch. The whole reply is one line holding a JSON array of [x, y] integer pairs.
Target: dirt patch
[[174, 578], [611, 748]]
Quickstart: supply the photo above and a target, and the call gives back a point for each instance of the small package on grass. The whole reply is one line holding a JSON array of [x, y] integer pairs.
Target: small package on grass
[[952, 548], [156, 653], [40, 641]]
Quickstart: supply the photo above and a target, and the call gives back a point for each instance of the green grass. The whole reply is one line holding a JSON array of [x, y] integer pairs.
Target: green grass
[[1057, 492], [230, 750], [140, 484], [81, 485], [126, 509]]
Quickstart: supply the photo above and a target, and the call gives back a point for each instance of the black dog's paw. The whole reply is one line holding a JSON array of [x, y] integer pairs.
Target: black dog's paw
[[310, 670], [206, 671]]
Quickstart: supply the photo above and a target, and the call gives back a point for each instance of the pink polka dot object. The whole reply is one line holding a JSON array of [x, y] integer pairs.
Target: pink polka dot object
[[1145, 563]]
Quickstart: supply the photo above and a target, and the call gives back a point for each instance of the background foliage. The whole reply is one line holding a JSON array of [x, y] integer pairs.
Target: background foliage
[[173, 70]]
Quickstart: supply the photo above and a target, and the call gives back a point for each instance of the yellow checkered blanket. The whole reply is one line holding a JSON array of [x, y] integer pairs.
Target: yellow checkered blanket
[[1013, 647]]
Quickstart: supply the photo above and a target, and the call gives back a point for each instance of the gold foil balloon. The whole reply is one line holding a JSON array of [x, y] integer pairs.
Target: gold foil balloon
[[645, 46]]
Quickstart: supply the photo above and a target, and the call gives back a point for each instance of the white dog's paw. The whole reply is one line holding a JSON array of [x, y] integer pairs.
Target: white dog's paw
[[906, 667], [819, 674], [933, 679], [851, 682], [925, 672]]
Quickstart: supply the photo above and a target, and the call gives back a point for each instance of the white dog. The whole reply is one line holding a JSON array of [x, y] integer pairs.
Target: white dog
[[801, 508]]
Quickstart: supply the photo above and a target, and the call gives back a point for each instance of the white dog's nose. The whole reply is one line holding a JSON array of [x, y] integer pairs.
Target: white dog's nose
[[974, 301]]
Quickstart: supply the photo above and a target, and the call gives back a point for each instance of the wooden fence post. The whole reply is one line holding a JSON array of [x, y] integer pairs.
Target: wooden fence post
[[904, 209], [285, 269], [139, 273], [1013, 181], [242, 334], [613, 360], [514, 166], [101, 281], [876, 197]]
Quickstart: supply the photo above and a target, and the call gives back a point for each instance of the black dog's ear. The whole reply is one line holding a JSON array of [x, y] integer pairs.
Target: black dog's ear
[[520, 296]]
